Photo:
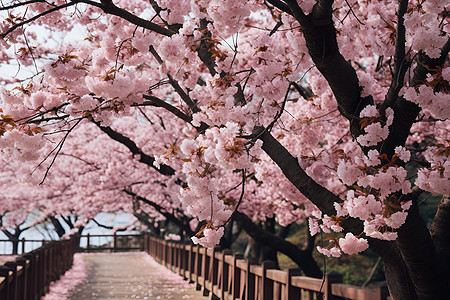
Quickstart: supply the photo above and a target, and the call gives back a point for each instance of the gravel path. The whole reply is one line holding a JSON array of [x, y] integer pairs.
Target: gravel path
[[131, 276]]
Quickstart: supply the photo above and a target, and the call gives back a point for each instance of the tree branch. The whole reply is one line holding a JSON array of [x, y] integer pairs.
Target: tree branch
[[400, 65], [290, 167], [302, 258], [154, 101], [127, 142], [15, 5], [281, 6], [320, 37], [182, 225], [109, 8], [56, 8], [406, 112]]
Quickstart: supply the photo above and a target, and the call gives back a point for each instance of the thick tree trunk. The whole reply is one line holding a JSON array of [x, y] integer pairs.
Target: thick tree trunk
[[440, 233], [397, 276], [422, 260]]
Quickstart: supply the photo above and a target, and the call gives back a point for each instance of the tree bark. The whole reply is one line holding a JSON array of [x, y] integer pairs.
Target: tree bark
[[440, 233], [423, 263]]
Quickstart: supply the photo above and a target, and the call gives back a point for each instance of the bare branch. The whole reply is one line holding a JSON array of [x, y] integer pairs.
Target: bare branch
[[81, 159], [244, 177], [58, 149]]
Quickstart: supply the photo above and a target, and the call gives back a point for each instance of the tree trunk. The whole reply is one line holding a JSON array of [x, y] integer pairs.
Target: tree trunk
[[440, 233], [58, 227], [15, 246], [421, 258], [398, 280]]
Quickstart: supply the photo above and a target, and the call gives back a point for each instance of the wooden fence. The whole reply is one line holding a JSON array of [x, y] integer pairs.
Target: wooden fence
[[29, 276], [19, 246], [222, 275], [110, 242]]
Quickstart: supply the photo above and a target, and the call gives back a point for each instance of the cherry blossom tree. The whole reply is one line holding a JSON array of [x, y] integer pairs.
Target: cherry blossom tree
[[331, 111]]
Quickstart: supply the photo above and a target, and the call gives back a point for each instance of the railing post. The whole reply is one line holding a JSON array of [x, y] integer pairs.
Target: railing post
[[115, 242], [23, 286], [213, 269], [382, 291], [330, 278], [196, 267], [164, 253], [292, 292], [13, 289], [88, 241], [235, 276], [5, 272], [204, 270], [249, 281], [266, 284], [31, 278], [191, 262], [225, 272]]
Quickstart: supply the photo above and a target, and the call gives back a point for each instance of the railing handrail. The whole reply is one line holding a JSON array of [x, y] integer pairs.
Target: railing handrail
[[29, 276], [115, 246], [22, 239], [228, 275], [17, 245]]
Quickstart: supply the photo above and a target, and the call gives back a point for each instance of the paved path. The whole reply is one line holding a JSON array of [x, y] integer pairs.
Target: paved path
[[131, 276]]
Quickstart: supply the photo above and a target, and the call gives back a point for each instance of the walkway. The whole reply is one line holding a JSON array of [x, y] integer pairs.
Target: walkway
[[131, 276]]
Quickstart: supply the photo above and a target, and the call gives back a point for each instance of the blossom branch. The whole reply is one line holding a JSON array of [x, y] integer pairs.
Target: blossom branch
[[109, 8], [180, 222], [400, 65], [320, 37], [15, 5], [281, 6], [290, 167], [144, 158], [406, 112], [154, 101], [56, 8], [178, 89]]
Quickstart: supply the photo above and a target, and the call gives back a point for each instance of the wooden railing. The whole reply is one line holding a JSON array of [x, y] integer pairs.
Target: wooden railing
[[223, 275], [29, 276], [110, 242], [19, 246]]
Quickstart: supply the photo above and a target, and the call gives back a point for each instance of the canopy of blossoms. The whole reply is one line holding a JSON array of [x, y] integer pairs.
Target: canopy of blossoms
[[331, 111]]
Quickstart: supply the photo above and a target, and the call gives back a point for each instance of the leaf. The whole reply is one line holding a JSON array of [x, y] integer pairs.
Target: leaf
[[8, 120], [200, 233]]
